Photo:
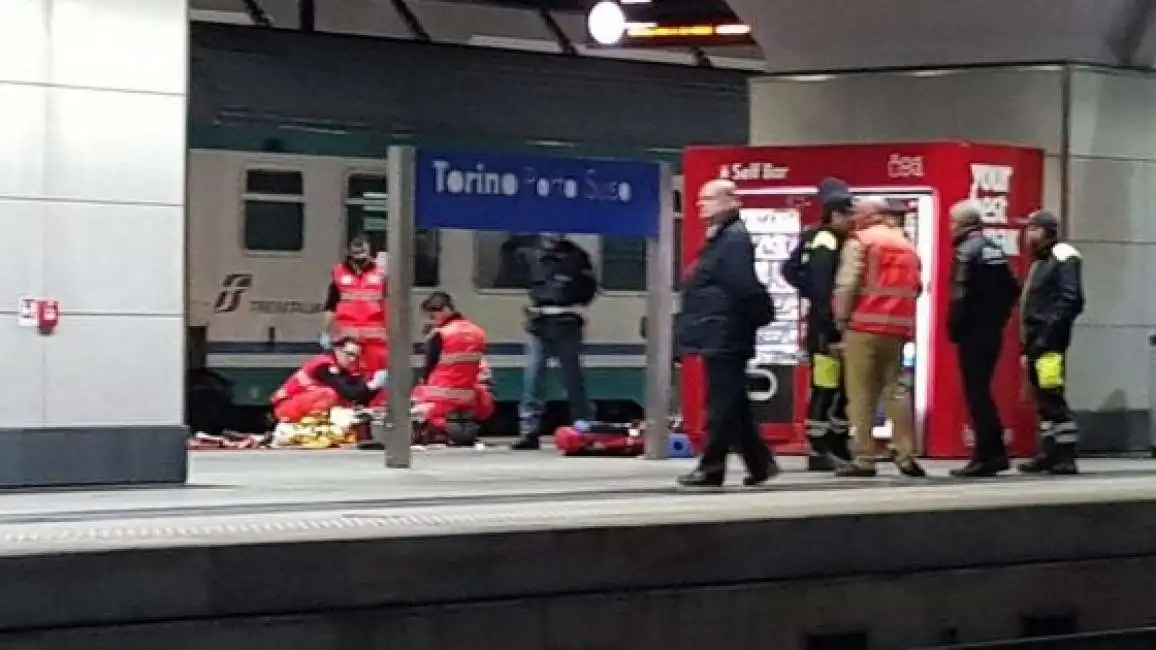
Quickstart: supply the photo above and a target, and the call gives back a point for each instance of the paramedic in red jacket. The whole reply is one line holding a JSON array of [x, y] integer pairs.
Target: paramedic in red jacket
[[455, 365], [355, 306], [332, 378]]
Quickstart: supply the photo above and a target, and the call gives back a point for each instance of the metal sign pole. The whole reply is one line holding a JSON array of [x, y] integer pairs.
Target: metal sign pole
[[659, 320], [400, 221]]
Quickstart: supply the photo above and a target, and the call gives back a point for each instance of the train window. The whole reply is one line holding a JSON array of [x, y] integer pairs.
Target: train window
[[624, 263], [501, 261], [274, 211], [366, 212]]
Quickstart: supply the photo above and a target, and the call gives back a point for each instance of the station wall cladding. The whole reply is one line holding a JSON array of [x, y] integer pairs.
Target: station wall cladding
[[1098, 131], [451, 93]]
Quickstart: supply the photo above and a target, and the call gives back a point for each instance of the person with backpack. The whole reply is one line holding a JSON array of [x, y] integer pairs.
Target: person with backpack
[[811, 269], [983, 295]]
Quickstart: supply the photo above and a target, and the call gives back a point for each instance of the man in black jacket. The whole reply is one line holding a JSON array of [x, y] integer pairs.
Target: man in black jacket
[[983, 295], [723, 306], [562, 284], [1053, 297]]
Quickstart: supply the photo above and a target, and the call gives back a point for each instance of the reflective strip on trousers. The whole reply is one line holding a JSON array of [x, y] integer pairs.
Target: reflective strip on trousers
[[840, 426], [462, 394], [460, 357], [1063, 433], [552, 310], [815, 428]]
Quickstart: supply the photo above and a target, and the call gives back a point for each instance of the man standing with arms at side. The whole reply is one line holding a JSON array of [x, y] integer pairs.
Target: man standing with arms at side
[[983, 295], [811, 270], [876, 292], [723, 306], [1053, 297], [355, 305], [562, 286]]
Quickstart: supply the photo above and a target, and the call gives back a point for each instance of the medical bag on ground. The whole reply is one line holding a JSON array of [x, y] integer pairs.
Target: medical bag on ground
[[615, 439]]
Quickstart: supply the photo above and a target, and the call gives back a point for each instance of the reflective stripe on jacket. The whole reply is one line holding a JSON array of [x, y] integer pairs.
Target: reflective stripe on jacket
[[890, 284], [463, 348]]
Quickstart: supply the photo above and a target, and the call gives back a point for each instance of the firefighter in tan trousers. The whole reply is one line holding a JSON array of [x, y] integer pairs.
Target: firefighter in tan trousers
[[876, 291]]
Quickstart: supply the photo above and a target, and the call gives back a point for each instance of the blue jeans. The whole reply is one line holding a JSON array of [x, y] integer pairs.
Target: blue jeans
[[563, 343]]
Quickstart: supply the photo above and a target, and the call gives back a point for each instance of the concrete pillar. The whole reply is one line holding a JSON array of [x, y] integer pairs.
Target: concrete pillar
[[92, 190]]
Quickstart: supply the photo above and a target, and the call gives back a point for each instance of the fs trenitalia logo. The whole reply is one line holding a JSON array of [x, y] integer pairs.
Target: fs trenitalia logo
[[233, 289]]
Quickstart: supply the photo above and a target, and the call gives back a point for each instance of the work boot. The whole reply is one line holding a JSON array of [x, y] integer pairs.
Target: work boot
[[1064, 463], [701, 479], [839, 445], [1043, 461], [756, 479], [818, 456], [526, 443], [981, 468], [855, 470], [911, 469]]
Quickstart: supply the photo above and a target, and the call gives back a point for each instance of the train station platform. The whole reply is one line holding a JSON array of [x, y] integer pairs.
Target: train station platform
[[496, 549]]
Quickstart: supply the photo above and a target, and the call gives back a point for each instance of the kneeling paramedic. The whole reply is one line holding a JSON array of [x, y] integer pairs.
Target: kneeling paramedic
[[455, 372], [1053, 297], [811, 270], [332, 378]]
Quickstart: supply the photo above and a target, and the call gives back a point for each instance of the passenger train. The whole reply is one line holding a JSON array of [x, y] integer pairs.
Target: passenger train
[[265, 229]]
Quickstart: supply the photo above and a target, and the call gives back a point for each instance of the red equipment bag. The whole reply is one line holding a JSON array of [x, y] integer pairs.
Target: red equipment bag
[[601, 440]]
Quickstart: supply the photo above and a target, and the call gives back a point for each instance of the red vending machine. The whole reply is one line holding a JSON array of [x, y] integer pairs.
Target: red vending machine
[[778, 185]]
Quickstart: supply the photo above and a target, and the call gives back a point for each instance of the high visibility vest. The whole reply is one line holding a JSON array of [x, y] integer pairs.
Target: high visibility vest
[[361, 310], [462, 354], [891, 284], [303, 380]]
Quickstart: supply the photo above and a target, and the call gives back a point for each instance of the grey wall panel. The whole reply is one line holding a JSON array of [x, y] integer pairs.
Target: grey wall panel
[[145, 354], [1113, 200], [455, 92], [1113, 222], [21, 249], [117, 147], [23, 42], [23, 397], [1112, 114], [89, 47], [92, 128], [142, 276], [22, 127], [1108, 369], [1003, 105]]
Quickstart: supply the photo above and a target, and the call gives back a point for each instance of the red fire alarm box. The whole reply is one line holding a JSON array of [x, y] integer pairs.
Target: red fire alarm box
[[47, 315]]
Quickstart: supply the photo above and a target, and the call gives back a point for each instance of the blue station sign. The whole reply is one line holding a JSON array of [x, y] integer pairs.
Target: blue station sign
[[531, 194]]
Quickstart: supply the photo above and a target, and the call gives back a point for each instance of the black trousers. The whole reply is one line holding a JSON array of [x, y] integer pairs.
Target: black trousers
[[1057, 422], [730, 423], [826, 409], [978, 354]]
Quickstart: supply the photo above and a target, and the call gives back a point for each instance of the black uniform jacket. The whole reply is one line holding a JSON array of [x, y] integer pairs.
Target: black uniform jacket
[[723, 302], [1053, 297]]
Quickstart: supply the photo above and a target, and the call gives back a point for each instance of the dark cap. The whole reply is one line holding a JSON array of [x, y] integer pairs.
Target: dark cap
[[897, 206], [1045, 220], [833, 191]]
